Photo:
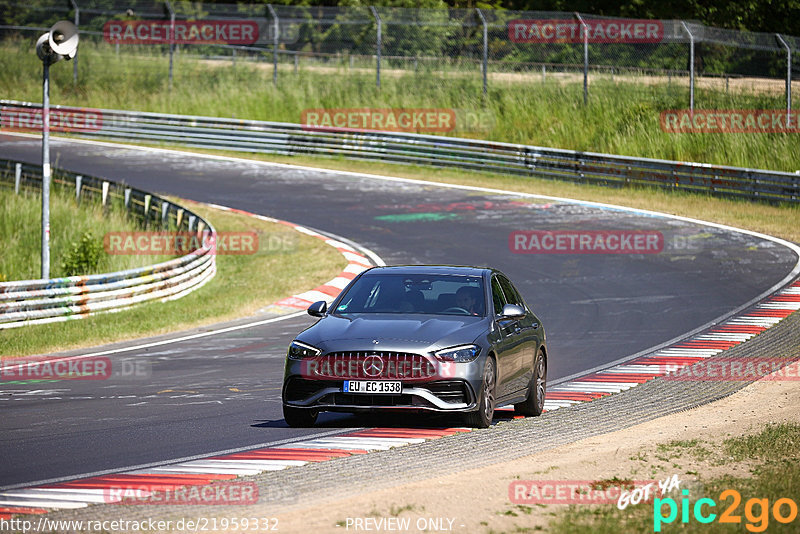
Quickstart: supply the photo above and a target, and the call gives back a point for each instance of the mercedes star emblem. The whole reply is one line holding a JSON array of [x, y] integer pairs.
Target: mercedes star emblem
[[373, 366]]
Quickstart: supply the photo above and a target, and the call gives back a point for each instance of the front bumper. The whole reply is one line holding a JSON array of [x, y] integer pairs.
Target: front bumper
[[451, 395]]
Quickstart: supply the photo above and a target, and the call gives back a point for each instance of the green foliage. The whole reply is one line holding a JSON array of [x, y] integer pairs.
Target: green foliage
[[20, 226], [754, 15], [83, 255]]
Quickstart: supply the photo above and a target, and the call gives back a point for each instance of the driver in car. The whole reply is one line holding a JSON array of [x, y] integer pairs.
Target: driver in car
[[466, 298]]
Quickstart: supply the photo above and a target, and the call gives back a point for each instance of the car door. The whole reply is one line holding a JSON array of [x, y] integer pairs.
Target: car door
[[506, 345], [525, 341]]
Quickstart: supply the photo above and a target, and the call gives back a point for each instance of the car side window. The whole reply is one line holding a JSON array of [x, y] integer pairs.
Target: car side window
[[511, 293], [498, 298]]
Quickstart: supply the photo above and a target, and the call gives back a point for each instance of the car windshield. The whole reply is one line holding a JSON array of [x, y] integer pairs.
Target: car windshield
[[441, 294]]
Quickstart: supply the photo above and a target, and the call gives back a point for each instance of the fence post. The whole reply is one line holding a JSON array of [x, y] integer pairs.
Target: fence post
[[171, 13], [17, 177], [275, 28], [377, 46], [78, 182], [485, 63], [77, 25], [691, 67], [585, 31], [46, 171], [788, 76]]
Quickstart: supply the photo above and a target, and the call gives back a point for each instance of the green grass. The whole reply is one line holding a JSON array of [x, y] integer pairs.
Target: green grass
[[775, 442], [621, 118], [20, 226], [243, 284], [776, 475]]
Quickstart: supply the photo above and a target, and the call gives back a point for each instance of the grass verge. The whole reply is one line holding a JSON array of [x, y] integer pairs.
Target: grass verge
[[243, 284], [622, 117], [70, 223], [774, 475]]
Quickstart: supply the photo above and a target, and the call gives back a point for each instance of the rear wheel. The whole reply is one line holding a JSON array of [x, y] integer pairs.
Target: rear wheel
[[482, 417], [299, 417], [534, 403]]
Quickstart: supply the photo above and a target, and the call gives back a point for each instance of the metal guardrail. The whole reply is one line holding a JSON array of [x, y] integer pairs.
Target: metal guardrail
[[441, 151], [29, 302]]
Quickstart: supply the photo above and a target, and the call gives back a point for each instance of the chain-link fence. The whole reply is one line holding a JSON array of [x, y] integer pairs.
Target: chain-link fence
[[491, 45]]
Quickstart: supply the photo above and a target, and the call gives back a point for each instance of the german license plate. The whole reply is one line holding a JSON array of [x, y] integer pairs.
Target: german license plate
[[373, 387]]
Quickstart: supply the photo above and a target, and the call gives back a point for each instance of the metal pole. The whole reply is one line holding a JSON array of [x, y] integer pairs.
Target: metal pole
[[275, 28], [691, 67], [377, 47], [77, 24], [46, 170], [485, 64], [585, 30], [788, 76], [171, 38]]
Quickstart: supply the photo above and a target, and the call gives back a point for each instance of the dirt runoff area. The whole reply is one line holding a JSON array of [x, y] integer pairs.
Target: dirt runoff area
[[478, 500]]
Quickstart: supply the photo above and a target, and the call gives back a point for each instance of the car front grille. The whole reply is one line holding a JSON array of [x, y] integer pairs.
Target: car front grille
[[371, 365]]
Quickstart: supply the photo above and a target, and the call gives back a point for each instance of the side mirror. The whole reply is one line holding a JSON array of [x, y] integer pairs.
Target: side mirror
[[318, 309], [512, 311]]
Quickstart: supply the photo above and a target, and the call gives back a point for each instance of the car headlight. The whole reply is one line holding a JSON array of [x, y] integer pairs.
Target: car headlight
[[298, 351], [462, 353]]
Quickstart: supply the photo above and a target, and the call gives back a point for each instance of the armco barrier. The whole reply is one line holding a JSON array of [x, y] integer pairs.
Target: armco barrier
[[29, 302], [291, 139]]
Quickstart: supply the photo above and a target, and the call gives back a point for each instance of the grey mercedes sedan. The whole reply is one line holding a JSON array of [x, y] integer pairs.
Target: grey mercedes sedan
[[419, 338]]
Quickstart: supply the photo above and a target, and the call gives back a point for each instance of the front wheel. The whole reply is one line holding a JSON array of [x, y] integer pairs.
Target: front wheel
[[299, 417], [534, 403], [482, 417]]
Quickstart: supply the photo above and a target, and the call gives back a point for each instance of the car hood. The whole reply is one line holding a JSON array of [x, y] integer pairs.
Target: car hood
[[393, 332]]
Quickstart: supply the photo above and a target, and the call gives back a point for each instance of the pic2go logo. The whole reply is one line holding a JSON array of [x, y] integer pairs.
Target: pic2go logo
[[756, 511]]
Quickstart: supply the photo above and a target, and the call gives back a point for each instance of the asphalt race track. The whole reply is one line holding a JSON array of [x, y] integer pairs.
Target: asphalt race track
[[223, 391]]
